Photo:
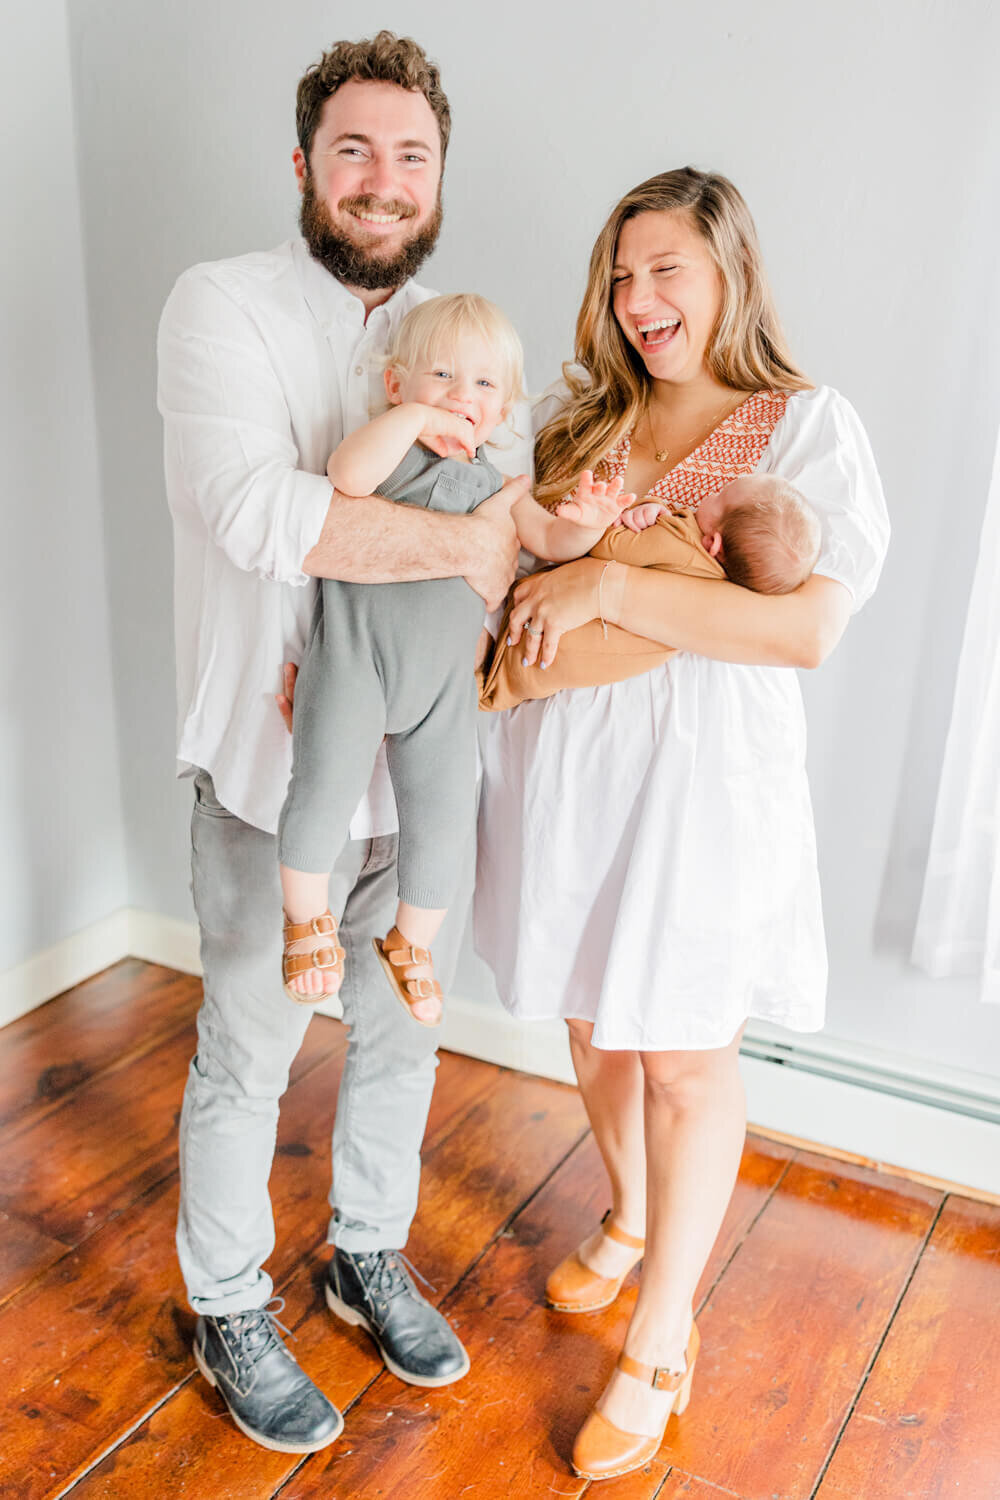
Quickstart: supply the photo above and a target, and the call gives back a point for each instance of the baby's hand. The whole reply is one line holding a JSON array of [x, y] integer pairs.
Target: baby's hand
[[444, 432], [594, 504], [642, 516]]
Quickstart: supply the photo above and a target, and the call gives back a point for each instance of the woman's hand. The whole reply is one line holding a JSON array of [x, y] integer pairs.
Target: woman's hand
[[594, 504], [548, 604]]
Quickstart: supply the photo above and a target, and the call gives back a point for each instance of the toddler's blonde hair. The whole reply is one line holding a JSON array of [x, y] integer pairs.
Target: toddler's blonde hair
[[770, 544], [433, 327]]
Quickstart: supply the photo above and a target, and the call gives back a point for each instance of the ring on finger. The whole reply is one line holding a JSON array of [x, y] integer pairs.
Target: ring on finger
[[531, 631]]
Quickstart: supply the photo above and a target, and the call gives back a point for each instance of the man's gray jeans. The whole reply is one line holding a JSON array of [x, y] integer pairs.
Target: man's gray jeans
[[248, 1034]]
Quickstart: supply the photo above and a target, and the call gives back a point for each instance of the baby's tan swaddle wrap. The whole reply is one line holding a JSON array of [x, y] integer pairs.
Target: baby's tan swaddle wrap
[[586, 656]]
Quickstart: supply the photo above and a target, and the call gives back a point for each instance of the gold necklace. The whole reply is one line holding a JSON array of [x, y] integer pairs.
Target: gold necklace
[[662, 454]]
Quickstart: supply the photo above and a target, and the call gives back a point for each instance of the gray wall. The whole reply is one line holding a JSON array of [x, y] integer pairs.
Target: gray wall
[[63, 864], [866, 141]]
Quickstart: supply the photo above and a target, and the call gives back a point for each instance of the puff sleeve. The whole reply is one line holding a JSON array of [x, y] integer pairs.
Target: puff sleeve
[[821, 447]]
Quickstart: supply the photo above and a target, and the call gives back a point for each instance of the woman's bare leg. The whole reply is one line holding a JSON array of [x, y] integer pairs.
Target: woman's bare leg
[[695, 1124], [611, 1084]]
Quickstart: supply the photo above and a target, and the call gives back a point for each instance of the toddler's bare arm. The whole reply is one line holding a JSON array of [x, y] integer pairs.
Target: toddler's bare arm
[[575, 525], [368, 456]]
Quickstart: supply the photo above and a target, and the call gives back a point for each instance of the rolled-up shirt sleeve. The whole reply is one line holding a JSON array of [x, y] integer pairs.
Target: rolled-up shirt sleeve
[[227, 433]]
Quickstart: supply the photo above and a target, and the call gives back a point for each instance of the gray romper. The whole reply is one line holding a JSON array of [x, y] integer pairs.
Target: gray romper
[[393, 660]]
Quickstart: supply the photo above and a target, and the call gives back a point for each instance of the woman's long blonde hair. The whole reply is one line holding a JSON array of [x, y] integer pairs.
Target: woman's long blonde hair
[[746, 350]]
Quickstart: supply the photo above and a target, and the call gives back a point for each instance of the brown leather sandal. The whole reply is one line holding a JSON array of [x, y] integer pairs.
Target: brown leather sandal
[[397, 956], [602, 1450], [575, 1287], [330, 957]]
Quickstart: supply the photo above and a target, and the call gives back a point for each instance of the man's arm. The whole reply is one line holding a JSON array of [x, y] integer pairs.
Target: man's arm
[[372, 540]]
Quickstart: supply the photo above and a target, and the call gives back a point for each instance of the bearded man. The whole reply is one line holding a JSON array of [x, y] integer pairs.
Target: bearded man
[[266, 362]]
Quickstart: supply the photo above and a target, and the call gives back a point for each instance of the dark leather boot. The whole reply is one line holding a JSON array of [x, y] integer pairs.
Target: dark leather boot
[[376, 1291]]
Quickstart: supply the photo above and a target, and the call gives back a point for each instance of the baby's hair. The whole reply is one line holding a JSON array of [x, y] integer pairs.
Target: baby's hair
[[770, 544], [433, 327]]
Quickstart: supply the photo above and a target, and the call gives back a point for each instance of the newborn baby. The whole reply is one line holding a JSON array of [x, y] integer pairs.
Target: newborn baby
[[757, 531]]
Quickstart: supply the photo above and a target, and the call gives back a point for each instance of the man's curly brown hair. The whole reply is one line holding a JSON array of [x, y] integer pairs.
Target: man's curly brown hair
[[385, 58]]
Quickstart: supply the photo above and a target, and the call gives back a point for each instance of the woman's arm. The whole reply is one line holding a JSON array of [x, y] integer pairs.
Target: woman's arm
[[712, 618], [722, 620]]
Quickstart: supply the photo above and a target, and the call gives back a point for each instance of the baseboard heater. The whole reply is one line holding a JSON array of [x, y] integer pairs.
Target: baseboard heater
[[962, 1094]]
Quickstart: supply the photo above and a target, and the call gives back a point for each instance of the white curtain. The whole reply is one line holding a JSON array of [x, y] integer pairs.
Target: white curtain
[[958, 929]]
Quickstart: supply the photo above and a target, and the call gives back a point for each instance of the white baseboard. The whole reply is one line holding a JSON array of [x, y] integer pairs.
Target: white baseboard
[[899, 1111], [164, 940], [65, 964]]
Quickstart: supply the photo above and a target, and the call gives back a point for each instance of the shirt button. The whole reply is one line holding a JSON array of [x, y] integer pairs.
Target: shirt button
[[359, 369]]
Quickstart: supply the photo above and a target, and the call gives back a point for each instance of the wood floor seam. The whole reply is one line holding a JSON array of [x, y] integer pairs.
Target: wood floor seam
[[123, 1438], [869, 1367], [746, 1233], [515, 1215]]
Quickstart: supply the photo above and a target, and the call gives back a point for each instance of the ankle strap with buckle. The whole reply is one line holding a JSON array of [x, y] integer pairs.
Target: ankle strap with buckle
[[611, 1230], [659, 1376]]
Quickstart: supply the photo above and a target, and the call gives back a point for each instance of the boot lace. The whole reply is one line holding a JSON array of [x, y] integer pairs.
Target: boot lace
[[252, 1334], [387, 1273]]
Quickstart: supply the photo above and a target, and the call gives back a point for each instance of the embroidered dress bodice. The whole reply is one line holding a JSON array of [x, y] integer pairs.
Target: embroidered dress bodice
[[735, 447]]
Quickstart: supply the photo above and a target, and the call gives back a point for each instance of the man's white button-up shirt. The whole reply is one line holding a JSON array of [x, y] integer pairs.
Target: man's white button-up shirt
[[266, 363]]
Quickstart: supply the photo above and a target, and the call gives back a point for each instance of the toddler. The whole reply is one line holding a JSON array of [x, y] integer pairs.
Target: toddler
[[757, 531], [394, 661]]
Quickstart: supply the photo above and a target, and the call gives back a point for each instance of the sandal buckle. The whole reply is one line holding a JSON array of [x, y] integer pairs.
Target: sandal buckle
[[322, 925]]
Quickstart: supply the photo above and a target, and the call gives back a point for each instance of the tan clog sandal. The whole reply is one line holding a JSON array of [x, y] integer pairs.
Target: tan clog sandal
[[329, 957], [604, 1451], [575, 1287], [397, 957]]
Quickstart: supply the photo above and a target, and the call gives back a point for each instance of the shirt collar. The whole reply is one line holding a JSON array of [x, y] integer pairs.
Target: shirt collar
[[330, 302]]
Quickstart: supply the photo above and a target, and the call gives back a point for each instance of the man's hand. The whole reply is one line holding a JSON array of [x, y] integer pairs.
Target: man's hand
[[640, 517], [445, 432], [497, 543], [484, 646], [594, 504], [286, 700]]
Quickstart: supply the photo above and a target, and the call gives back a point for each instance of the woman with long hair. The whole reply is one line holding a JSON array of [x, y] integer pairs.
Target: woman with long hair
[[647, 856]]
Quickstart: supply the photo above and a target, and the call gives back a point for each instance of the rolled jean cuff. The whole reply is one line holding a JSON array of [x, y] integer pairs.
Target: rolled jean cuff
[[246, 1299], [362, 1239]]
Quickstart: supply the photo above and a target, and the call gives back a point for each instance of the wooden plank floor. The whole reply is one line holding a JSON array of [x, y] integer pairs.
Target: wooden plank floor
[[850, 1320]]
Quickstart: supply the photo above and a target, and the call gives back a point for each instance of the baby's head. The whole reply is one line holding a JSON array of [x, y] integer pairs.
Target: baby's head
[[763, 532], [460, 352]]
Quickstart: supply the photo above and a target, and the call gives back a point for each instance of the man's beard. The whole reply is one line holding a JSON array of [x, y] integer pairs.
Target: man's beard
[[360, 266]]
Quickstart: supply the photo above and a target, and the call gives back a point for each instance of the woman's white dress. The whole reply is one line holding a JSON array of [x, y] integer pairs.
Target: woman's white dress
[[647, 858]]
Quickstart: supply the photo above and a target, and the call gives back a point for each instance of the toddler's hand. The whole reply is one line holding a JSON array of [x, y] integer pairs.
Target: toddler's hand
[[642, 516], [594, 504], [446, 433]]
